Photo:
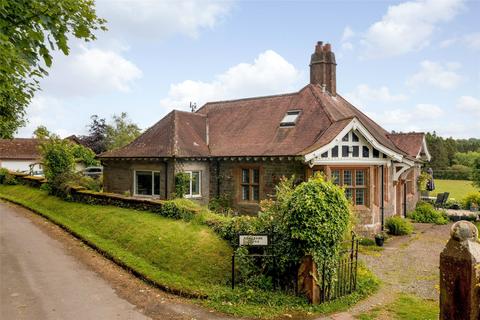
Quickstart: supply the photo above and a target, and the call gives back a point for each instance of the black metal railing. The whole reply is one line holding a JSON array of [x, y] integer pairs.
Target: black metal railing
[[344, 280]]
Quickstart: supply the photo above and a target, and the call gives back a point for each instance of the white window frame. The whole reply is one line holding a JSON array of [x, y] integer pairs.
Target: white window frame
[[153, 184], [189, 194]]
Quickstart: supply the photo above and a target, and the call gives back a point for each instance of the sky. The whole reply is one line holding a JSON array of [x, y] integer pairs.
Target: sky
[[409, 65]]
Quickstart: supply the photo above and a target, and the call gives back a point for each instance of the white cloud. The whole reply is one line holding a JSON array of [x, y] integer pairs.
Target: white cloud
[[413, 119], [270, 73], [160, 19], [436, 75], [469, 105], [347, 33], [347, 46], [47, 111], [471, 40], [408, 26], [363, 94], [89, 71]]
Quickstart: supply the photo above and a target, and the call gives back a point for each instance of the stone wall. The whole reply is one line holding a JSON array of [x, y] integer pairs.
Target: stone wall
[[225, 179]]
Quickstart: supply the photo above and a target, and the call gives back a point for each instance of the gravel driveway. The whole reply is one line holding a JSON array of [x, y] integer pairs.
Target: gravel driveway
[[408, 264]]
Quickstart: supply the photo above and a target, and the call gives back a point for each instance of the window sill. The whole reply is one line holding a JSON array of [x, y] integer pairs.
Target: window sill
[[361, 207], [193, 197]]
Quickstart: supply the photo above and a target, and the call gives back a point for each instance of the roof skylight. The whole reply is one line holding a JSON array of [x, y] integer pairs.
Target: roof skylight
[[290, 118]]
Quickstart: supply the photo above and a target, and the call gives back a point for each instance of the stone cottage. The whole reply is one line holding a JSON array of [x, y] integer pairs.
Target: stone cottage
[[241, 148]]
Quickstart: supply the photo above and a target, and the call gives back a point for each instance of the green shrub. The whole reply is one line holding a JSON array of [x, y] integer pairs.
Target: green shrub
[[91, 183], [472, 200], [426, 213], [182, 184], [366, 242], [10, 179], [221, 204], [3, 173], [398, 226]]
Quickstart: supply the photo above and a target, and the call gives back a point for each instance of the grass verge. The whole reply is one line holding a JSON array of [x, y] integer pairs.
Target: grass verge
[[185, 258], [405, 307]]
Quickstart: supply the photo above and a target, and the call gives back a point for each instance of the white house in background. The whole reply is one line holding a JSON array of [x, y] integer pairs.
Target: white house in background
[[19, 154]]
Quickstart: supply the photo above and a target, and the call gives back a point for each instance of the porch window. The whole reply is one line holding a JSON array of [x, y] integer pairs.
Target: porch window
[[195, 184], [250, 184], [355, 183], [147, 183]]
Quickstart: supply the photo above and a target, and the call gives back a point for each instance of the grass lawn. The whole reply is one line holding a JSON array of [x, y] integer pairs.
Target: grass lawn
[[405, 307], [185, 257], [458, 188]]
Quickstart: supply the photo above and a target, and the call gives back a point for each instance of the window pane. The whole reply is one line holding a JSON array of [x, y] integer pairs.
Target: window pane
[[336, 176], [360, 178], [245, 176], [348, 194], [256, 193], [345, 138], [195, 183], [335, 152], [359, 196], [144, 182], [355, 151], [375, 153], [344, 151], [245, 192], [256, 175], [156, 183], [354, 137], [347, 177], [325, 154], [365, 152]]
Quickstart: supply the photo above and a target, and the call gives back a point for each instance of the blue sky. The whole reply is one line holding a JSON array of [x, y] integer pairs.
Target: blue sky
[[410, 65]]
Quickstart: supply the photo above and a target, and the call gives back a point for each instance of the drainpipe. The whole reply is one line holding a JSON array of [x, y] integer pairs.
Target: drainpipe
[[404, 199], [166, 180], [382, 202], [218, 178]]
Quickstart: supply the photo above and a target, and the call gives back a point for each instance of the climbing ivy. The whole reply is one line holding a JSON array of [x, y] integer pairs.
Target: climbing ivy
[[182, 184]]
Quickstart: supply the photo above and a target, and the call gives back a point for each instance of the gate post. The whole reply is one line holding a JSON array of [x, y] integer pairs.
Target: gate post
[[307, 280], [460, 274]]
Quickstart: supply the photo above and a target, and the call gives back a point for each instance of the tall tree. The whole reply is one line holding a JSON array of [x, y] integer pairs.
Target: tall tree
[[97, 135], [121, 132], [29, 31]]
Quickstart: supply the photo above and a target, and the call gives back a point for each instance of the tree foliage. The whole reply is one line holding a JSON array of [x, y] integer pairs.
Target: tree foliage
[[121, 131], [476, 172], [97, 135], [30, 30], [105, 136]]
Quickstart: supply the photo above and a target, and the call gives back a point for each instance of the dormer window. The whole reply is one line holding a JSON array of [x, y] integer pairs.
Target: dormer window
[[290, 118]]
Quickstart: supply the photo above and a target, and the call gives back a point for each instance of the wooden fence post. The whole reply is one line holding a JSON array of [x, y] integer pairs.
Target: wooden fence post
[[460, 274], [307, 282]]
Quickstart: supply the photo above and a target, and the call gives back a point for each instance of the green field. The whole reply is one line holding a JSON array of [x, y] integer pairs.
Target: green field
[[457, 188]]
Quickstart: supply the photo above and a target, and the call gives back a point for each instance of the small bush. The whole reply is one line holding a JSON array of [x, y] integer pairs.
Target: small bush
[[453, 204], [3, 173], [366, 242], [221, 204], [398, 226], [90, 183], [182, 184], [426, 213], [472, 200]]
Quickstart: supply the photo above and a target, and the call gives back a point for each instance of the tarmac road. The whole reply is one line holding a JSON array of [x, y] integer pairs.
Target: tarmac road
[[38, 280]]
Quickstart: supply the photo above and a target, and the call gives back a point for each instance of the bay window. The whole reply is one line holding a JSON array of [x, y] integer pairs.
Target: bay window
[[354, 182]]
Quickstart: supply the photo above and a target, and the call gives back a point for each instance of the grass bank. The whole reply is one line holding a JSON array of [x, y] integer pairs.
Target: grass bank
[[405, 307], [458, 188], [183, 257]]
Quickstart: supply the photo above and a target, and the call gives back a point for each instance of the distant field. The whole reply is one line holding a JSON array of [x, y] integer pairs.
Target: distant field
[[457, 188]]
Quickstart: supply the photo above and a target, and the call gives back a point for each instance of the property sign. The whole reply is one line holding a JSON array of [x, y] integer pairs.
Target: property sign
[[253, 240]]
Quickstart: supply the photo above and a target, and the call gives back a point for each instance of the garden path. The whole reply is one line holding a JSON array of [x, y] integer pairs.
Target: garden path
[[407, 264]]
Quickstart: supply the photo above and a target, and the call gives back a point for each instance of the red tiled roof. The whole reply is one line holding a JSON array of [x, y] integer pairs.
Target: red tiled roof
[[411, 143], [19, 148], [251, 127]]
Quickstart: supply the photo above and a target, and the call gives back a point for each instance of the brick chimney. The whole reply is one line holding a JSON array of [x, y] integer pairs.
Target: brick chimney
[[323, 68]]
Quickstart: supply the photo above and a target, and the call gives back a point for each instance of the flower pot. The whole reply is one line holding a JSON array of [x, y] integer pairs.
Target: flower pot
[[379, 241]]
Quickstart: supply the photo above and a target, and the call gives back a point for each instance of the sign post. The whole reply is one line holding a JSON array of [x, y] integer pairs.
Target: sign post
[[252, 240]]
